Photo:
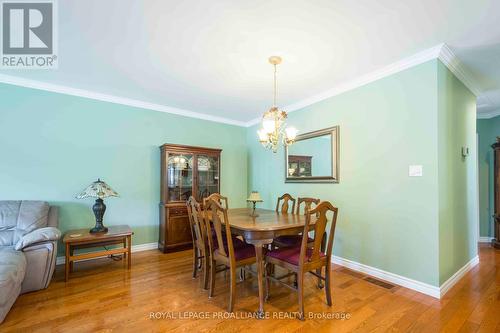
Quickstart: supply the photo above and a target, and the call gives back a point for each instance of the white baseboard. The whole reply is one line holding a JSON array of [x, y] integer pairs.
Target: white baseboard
[[144, 247], [424, 288], [485, 239], [448, 284], [135, 248]]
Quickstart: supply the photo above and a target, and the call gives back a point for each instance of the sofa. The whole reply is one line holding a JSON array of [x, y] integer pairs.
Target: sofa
[[28, 249]]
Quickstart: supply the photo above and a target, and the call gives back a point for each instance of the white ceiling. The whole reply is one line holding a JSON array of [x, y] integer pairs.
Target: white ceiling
[[211, 56]]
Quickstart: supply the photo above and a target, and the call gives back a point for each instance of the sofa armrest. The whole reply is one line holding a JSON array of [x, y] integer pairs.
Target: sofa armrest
[[40, 265], [38, 236]]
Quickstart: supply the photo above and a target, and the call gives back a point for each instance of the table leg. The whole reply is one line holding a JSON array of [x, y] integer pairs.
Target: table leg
[[71, 252], [260, 272], [66, 266], [124, 255], [129, 251]]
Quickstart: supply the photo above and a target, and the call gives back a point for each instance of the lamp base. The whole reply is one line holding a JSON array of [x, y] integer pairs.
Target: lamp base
[[253, 213], [99, 208], [98, 229]]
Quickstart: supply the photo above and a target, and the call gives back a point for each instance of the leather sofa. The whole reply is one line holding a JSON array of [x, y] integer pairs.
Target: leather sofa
[[28, 249]]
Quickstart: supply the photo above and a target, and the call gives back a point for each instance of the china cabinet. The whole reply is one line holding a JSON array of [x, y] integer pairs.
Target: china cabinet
[[185, 171], [299, 166]]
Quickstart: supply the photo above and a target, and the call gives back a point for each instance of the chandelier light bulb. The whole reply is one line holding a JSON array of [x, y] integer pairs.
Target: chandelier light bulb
[[263, 138], [268, 125], [291, 133]]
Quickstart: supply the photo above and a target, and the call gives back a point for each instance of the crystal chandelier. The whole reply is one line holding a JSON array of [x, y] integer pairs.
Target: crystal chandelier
[[274, 129]]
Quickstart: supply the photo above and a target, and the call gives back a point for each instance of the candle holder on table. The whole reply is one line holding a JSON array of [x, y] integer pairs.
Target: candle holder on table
[[254, 198]]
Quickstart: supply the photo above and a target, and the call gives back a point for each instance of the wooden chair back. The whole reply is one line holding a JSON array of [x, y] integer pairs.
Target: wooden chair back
[[286, 198], [219, 198], [197, 222], [307, 204], [220, 221], [320, 213]]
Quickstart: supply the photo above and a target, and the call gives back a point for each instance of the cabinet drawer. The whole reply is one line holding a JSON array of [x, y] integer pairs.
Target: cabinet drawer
[[177, 211]]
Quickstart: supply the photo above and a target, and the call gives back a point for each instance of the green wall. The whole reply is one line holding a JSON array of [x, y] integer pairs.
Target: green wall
[[487, 130], [457, 175], [386, 219], [52, 146]]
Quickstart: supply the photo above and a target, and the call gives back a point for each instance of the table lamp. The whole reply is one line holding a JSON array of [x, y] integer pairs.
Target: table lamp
[[254, 198], [99, 190]]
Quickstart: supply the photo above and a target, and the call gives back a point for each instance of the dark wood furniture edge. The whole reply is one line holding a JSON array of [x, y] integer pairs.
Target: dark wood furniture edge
[[495, 242], [171, 146]]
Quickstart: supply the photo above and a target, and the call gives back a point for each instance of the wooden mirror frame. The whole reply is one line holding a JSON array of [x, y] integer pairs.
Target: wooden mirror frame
[[334, 178]]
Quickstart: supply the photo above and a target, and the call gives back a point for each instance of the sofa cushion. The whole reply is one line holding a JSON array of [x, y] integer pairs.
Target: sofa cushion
[[41, 235], [12, 270], [17, 218]]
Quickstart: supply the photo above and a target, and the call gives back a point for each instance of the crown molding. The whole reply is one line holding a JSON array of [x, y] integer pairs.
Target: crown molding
[[489, 114], [440, 51], [450, 60], [27, 83]]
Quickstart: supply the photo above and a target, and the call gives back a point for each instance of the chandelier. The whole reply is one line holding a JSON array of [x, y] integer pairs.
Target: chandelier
[[274, 129]]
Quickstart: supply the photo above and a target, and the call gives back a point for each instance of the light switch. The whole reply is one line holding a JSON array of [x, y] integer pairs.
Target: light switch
[[415, 171]]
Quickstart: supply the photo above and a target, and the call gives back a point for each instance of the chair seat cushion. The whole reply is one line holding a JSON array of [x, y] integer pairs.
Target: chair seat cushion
[[243, 252], [236, 241], [291, 254], [290, 240]]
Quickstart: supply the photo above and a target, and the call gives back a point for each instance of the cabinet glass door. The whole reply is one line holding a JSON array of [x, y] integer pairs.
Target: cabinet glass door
[[208, 176], [179, 176]]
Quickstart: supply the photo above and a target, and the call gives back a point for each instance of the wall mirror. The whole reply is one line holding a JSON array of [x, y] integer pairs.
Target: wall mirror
[[313, 158]]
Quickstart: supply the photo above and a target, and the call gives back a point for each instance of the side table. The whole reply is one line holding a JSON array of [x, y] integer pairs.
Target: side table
[[82, 238]]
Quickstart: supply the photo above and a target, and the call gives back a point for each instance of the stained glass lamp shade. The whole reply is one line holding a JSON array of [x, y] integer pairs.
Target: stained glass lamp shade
[[99, 190]]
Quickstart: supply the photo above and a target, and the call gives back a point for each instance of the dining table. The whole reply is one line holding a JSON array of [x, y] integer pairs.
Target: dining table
[[259, 229]]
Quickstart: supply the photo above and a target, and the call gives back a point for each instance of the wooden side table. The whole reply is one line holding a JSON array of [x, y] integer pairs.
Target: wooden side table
[[82, 238]]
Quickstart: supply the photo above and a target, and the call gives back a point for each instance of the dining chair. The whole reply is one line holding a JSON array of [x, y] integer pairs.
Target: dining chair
[[224, 203], [217, 197], [200, 246], [225, 249], [307, 257], [286, 198], [292, 240], [308, 203]]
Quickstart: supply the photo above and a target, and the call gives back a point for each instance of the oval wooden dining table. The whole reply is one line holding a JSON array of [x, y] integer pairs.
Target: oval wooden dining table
[[261, 230]]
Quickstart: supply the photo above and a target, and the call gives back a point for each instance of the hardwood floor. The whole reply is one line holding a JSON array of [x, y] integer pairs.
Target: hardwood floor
[[101, 296]]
